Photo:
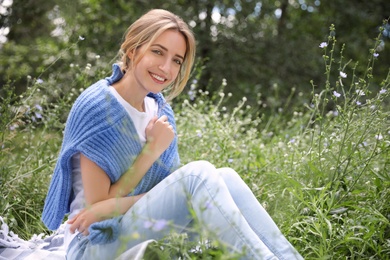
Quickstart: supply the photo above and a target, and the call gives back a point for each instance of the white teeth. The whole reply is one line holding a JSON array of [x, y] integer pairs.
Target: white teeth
[[158, 77]]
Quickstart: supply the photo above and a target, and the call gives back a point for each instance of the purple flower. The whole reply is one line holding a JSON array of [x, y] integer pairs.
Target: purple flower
[[336, 94], [38, 107], [382, 91], [323, 45], [148, 224], [191, 94], [38, 115], [358, 103], [160, 225], [230, 160], [376, 55], [208, 205], [39, 81], [156, 225]]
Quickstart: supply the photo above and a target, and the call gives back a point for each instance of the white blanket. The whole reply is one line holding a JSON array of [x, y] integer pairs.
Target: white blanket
[[48, 247]]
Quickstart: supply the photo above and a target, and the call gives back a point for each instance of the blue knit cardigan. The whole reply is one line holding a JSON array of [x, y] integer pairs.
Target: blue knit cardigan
[[100, 128]]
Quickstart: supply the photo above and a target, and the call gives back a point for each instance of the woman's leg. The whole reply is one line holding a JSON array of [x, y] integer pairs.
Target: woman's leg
[[256, 216], [198, 187]]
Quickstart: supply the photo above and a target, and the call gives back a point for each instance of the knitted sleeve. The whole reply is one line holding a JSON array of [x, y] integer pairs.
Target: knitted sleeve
[[100, 129]]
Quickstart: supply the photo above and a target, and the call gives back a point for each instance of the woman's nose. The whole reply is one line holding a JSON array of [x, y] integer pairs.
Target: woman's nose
[[165, 66]]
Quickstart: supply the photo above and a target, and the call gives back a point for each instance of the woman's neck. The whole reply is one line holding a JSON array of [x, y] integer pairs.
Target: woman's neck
[[129, 92]]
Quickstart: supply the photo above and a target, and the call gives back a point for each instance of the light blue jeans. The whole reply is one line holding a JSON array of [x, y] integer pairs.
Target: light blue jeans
[[219, 200]]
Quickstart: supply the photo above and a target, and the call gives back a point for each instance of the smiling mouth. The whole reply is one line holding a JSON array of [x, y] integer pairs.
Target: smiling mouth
[[157, 78]]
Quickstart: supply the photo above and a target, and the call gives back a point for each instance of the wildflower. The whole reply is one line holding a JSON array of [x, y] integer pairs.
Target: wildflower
[[323, 45], [343, 74], [39, 81], [379, 137], [191, 94], [230, 94], [38, 115], [208, 205], [230, 160], [160, 225], [148, 224], [382, 91], [358, 103], [224, 83], [38, 107], [336, 94], [376, 54], [135, 235], [81, 38], [360, 92], [97, 57]]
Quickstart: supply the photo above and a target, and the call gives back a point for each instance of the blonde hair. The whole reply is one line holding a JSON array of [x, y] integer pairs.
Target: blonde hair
[[146, 30]]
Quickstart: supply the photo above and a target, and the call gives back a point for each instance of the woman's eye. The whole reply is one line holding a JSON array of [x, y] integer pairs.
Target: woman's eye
[[157, 52], [178, 62]]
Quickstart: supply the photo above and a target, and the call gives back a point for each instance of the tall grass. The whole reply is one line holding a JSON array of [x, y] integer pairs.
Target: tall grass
[[322, 169]]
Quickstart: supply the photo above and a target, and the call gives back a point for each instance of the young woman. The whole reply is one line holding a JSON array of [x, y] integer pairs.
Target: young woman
[[118, 173]]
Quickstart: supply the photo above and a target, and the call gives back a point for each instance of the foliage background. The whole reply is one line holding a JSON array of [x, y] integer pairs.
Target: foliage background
[[257, 46]]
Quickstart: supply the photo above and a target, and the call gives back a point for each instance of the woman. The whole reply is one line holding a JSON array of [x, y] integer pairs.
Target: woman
[[118, 172]]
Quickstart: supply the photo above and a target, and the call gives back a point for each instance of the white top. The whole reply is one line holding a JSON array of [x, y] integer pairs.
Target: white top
[[140, 120]]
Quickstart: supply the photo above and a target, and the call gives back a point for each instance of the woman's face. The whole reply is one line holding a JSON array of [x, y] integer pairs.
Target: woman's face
[[161, 63]]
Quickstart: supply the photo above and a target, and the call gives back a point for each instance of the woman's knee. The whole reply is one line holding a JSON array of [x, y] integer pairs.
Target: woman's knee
[[200, 167], [228, 173]]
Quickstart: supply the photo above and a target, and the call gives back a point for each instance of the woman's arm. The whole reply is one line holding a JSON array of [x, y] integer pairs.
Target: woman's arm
[[100, 211], [105, 200]]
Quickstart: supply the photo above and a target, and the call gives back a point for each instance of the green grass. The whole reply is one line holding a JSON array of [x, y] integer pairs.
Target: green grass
[[320, 168]]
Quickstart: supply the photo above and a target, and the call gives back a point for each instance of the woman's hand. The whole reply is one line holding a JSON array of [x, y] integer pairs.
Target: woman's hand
[[159, 134], [95, 213], [100, 211]]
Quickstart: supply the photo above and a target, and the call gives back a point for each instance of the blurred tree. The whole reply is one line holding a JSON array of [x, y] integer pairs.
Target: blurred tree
[[28, 23], [268, 46]]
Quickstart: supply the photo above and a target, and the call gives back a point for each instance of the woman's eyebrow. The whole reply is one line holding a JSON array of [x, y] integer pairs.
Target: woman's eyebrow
[[165, 49]]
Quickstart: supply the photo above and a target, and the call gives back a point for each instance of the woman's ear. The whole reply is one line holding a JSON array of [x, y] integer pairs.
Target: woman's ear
[[130, 54]]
